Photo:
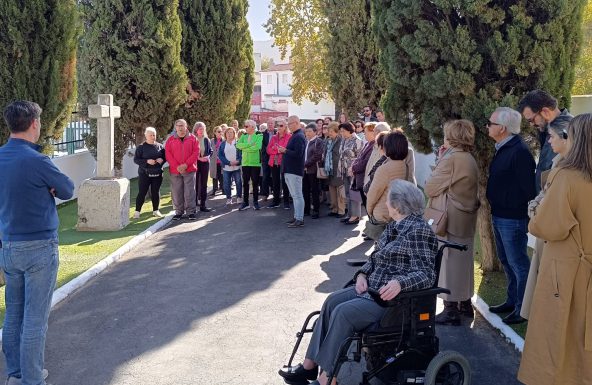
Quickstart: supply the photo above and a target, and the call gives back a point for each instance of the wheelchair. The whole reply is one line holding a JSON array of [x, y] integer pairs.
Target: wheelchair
[[402, 348]]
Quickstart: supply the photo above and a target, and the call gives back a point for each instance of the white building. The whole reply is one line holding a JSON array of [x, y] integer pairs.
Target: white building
[[276, 95]]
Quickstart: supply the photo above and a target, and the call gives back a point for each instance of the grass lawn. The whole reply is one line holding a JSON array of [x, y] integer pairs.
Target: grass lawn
[[491, 286], [81, 250]]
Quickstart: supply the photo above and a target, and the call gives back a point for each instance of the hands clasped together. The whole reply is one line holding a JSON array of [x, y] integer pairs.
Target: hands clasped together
[[387, 292]]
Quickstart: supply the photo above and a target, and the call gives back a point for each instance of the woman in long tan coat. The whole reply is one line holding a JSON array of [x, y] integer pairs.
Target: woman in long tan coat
[[453, 187], [396, 150], [558, 346]]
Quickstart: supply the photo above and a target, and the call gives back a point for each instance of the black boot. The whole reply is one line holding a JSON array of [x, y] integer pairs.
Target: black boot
[[450, 315], [466, 309]]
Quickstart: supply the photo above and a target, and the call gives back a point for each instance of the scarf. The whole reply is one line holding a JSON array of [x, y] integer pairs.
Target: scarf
[[202, 146], [329, 157]]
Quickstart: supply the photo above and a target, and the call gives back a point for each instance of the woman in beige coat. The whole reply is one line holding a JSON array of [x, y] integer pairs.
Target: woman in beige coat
[[558, 346], [453, 187], [558, 141], [396, 150]]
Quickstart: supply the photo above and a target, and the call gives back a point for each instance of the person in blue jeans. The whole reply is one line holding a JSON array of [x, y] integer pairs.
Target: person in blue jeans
[[231, 158], [511, 185], [29, 242], [293, 168]]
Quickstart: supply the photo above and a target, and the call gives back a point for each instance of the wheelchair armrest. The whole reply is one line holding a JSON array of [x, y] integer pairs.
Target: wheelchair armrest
[[405, 295]]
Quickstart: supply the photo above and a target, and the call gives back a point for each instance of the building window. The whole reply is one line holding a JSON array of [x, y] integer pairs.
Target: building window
[[285, 78], [269, 79]]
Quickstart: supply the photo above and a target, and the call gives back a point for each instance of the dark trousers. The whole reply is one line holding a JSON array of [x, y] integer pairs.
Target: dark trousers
[[201, 183], [279, 185], [265, 178], [218, 181], [251, 173], [145, 183], [310, 185]]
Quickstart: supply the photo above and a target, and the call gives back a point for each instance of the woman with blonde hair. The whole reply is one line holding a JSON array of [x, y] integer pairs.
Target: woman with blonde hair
[[231, 158], [558, 343], [203, 166], [452, 188]]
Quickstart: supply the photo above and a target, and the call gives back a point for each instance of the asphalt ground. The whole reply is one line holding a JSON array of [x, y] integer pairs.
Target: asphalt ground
[[218, 301]]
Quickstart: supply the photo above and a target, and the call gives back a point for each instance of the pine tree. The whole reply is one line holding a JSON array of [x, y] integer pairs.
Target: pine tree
[[217, 51], [355, 75], [243, 109], [131, 49], [446, 60], [583, 72], [38, 41]]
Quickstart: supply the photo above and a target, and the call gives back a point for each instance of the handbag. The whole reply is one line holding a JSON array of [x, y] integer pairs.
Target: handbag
[[321, 173], [374, 228], [154, 173], [437, 219]]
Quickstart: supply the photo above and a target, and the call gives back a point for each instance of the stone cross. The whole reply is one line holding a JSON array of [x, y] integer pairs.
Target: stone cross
[[105, 113]]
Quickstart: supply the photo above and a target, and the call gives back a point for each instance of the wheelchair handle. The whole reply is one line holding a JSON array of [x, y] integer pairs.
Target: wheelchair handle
[[452, 245]]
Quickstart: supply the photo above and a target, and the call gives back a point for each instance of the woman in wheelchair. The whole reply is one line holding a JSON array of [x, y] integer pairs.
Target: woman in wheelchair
[[403, 260]]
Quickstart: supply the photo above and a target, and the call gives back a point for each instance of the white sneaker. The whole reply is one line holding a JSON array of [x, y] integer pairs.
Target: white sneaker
[[228, 202], [137, 215], [157, 213]]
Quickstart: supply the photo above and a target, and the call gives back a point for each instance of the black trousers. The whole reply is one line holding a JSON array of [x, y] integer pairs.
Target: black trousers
[[251, 173], [279, 186], [265, 178], [201, 183], [145, 183], [310, 185], [218, 181]]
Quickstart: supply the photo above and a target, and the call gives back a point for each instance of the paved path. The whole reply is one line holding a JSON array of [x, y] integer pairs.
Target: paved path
[[217, 302]]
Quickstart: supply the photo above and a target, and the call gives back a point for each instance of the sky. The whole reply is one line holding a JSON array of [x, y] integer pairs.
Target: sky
[[258, 15]]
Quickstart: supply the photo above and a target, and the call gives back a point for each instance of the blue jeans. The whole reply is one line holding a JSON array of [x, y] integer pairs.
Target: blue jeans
[[228, 176], [30, 268], [294, 183], [511, 242]]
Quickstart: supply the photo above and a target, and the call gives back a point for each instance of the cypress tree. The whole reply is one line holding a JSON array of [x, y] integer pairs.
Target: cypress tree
[[355, 75], [446, 60], [38, 41], [131, 49], [215, 50]]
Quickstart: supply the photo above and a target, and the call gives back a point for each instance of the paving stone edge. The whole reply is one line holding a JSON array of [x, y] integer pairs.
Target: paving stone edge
[[494, 320]]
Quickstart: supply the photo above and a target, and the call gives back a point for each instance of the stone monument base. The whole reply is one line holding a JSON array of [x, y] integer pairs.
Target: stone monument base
[[103, 204]]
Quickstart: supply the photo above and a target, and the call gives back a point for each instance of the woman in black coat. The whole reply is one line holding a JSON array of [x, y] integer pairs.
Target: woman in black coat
[[149, 157]]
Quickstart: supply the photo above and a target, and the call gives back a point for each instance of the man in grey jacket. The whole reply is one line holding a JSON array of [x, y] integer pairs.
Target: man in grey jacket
[[541, 110]]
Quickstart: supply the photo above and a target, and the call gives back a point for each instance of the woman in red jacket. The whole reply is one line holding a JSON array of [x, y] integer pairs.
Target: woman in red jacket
[[182, 150], [275, 161]]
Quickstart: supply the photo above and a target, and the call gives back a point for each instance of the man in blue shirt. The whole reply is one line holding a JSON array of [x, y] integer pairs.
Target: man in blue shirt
[[29, 241]]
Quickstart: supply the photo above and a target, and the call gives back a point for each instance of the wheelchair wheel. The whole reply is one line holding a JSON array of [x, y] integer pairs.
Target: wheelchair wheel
[[448, 368]]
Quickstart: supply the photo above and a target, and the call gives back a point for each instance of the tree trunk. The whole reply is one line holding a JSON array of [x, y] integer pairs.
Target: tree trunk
[[488, 257]]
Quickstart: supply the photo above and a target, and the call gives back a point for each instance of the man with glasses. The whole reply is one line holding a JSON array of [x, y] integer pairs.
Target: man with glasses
[[293, 167], [368, 115], [509, 189], [250, 145], [540, 109]]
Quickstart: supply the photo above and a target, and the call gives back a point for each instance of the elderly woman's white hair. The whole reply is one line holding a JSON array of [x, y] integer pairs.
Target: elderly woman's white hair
[[406, 197], [509, 118], [382, 127], [151, 130], [251, 123], [263, 127]]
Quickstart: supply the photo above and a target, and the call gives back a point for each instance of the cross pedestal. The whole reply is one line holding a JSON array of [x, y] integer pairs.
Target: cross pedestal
[[104, 201]]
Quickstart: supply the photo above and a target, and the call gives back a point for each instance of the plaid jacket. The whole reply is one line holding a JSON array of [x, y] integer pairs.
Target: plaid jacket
[[406, 251]]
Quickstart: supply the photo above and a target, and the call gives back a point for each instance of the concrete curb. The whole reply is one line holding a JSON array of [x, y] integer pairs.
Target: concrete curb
[[495, 321], [69, 288]]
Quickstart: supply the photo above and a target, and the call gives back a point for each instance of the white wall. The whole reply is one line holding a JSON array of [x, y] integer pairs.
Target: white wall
[[312, 111], [581, 104], [422, 167], [82, 166]]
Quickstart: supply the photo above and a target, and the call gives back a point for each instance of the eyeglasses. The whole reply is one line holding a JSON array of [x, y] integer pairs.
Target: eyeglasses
[[489, 124], [281, 125], [366, 110], [531, 120]]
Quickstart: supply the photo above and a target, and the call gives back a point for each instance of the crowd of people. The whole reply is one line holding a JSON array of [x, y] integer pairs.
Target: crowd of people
[[358, 168]]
